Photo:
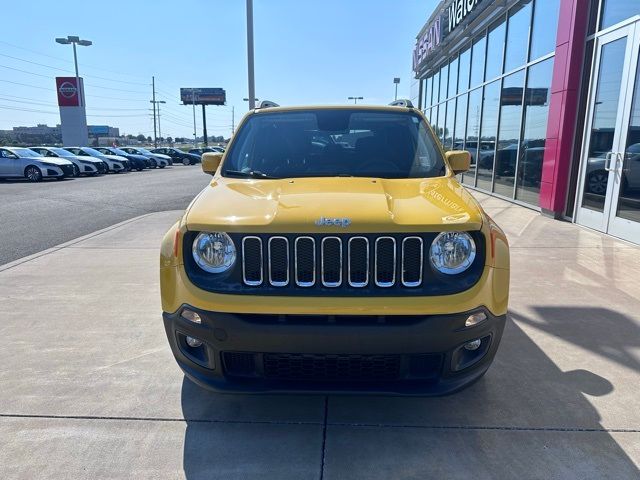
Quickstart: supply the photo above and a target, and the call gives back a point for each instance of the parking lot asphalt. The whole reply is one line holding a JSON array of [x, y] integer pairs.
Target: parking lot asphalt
[[90, 388], [36, 216]]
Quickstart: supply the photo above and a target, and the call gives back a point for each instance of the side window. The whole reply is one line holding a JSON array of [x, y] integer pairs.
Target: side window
[[50, 154]]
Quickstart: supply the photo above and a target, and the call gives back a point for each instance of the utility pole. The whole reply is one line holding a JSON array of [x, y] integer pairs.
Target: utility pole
[[159, 130], [252, 89], [355, 99], [156, 104], [153, 101], [204, 126]]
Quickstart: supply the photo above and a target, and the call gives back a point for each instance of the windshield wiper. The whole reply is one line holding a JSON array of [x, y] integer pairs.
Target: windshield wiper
[[249, 174]]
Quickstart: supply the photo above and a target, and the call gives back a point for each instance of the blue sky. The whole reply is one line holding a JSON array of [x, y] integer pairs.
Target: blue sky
[[305, 53]]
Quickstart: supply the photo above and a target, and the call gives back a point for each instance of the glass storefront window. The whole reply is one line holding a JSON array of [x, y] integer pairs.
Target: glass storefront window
[[461, 121], [495, 50], [508, 134], [517, 36], [449, 125], [427, 93], [473, 133], [477, 61], [453, 78], [444, 77], [464, 67], [615, 11], [545, 21], [435, 88], [532, 147], [488, 131], [435, 113]]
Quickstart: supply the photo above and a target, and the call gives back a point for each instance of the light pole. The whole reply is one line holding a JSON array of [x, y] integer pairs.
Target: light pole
[[255, 100], [252, 87], [193, 102], [355, 99], [396, 81], [73, 39]]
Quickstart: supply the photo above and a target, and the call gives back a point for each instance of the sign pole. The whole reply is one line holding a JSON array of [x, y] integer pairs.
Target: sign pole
[[204, 125]]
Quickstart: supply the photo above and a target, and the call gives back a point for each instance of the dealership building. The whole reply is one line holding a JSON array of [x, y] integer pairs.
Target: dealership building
[[545, 94]]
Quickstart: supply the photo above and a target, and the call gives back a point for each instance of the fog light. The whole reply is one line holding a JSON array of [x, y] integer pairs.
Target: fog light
[[191, 316], [473, 345], [475, 319], [195, 343]]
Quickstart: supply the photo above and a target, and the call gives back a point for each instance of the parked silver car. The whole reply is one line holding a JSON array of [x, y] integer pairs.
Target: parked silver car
[[23, 162], [83, 165]]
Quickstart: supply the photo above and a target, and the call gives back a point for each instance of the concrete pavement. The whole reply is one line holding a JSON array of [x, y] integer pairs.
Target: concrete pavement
[[36, 216], [90, 389]]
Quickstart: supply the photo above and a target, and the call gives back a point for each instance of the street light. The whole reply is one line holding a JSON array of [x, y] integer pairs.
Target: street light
[[255, 99], [396, 80], [72, 39], [355, 99]]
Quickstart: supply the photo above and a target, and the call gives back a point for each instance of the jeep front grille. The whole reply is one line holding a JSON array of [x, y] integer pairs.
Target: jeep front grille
[[333, 261]]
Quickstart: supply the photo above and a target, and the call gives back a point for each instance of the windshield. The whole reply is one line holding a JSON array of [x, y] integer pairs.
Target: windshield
[[25, 152], [117, 151], [142, 150], [91, 151], [335, 142], [62, 152]]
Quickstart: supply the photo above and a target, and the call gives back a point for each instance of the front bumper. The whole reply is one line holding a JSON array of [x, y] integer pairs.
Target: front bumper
[[407, 354]]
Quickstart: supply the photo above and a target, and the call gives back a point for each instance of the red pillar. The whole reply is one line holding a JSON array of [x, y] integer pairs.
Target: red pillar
[[563, 107]]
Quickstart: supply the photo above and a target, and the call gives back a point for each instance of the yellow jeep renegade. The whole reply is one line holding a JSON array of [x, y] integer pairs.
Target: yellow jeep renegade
[[334, 250]]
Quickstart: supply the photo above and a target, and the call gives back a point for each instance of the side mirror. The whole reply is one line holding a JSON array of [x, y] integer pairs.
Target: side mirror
[[211, 162], [458, 160]]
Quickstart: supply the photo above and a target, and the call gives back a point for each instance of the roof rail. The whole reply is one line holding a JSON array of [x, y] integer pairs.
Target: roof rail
[[402, 103], [267, 104]]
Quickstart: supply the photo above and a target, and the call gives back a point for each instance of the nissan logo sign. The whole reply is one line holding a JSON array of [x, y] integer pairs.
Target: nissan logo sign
[[67, 90]]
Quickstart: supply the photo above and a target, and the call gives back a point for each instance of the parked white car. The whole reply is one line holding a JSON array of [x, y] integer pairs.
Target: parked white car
[[115, 163], [84, 165], [23, 162]]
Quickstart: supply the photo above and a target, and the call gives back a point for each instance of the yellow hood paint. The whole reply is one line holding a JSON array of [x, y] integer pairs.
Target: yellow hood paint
[[372, 205]]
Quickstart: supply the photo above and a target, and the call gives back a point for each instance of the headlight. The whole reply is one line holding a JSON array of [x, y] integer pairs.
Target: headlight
[[452, 252], [214, 252]]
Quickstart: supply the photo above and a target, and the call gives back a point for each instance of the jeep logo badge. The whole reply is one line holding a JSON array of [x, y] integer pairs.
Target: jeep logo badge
[[338, 222]]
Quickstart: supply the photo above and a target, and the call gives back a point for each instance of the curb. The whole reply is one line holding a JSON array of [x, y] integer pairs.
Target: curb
[[50, 250]]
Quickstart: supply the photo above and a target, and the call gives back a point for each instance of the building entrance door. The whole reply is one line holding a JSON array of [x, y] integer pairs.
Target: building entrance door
[[609, 191]]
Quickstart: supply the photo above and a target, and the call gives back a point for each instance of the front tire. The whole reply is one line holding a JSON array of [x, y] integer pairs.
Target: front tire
[[33, 174], [186, 161]]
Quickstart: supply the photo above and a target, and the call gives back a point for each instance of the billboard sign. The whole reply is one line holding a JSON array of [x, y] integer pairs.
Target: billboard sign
[[98, 129], [68, 93], [203, 96]]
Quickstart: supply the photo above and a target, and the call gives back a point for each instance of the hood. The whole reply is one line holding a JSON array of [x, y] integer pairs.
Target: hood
[[55, 161], [89, 158], [370, 205], [161, 156], [137, 156], [115, 158]]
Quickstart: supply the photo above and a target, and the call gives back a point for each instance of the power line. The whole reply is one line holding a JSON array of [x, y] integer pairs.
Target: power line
[[69, 71], [65, 60]]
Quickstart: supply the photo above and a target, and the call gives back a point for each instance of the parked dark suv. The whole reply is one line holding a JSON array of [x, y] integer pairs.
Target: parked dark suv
[[178, 155]]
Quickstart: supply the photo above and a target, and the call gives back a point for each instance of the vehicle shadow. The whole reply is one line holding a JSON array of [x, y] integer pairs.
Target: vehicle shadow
[[538, 417]]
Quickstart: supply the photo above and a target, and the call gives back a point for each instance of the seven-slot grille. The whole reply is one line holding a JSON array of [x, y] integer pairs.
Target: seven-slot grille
[[333, 261]]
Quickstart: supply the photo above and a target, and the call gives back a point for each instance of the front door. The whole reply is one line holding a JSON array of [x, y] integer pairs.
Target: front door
[[609, 194]]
